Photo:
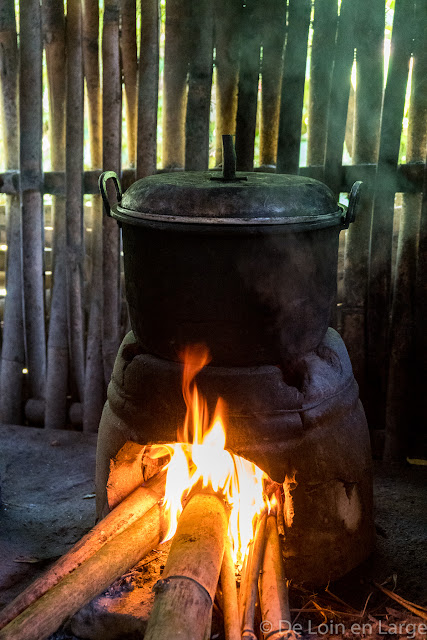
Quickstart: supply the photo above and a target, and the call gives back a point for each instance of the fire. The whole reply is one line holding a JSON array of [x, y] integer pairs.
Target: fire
[[200, 458]]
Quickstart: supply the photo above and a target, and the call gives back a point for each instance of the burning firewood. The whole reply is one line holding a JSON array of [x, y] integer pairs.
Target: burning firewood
[[184, 597], [252, 573], [123, 516], [272, 583], [46, 614], [230, 607]]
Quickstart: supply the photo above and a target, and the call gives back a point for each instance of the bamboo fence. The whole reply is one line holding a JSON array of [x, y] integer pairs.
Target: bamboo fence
[[292, 79]]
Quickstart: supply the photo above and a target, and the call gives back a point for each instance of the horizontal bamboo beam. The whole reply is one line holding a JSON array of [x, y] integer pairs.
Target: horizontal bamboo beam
[[409, 178]]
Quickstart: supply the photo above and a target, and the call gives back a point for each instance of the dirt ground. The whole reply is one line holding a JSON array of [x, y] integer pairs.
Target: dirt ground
[[47, 504]]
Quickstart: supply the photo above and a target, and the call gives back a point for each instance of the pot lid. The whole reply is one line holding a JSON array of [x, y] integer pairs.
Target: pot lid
[[254, 198], [232, 200]]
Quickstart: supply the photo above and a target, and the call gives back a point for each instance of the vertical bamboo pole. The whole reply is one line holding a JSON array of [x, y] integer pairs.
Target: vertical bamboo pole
[[130, 73], [338, 106], [31, 132], [148, 89], [199, 87], [13, 352], [227, 70], [339, 95], [421, 275], [401, 378], [175, 82], [383, 209], [273, 40], [74, 192], [370, 22], [321, 63], [111, 159], [57, 346], [94, 379], [248, 85], [288, 146], [420, 316]]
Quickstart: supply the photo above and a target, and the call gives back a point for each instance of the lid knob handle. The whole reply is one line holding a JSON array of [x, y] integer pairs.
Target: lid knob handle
[[228, 161], [228, 158]]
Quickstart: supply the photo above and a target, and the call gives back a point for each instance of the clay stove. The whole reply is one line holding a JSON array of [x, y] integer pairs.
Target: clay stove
[[246, 264]]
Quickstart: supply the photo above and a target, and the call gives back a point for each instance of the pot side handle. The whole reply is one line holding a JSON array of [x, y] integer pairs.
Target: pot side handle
[[102, 182], [353, 202]]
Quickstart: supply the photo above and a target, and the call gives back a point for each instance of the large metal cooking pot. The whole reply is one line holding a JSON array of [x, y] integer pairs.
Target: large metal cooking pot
[[246, 263]]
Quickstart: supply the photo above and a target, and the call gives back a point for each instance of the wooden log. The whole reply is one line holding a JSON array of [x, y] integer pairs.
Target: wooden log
[[31, 132], [252, 575], [74, 193], [94, 392], [175, 82], [272, 584], [291, 105], [57, 345], [339, 94], [401, 397], [130, 73], [185, 594], [148, 89], [244, 582], [369, 91], [227, 70], [250, 43], [134, 507], [273, 39], [230, 608], [199, 87], [13, 352], [280, 518], [321, 64], [379, 286], [111, 159], [118, 555]]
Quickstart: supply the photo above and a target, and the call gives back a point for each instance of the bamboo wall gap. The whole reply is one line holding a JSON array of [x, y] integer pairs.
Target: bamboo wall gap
[[57, 346], [13, 352]]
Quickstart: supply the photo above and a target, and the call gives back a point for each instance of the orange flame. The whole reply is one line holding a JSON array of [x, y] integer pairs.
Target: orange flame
[[200, 458]]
